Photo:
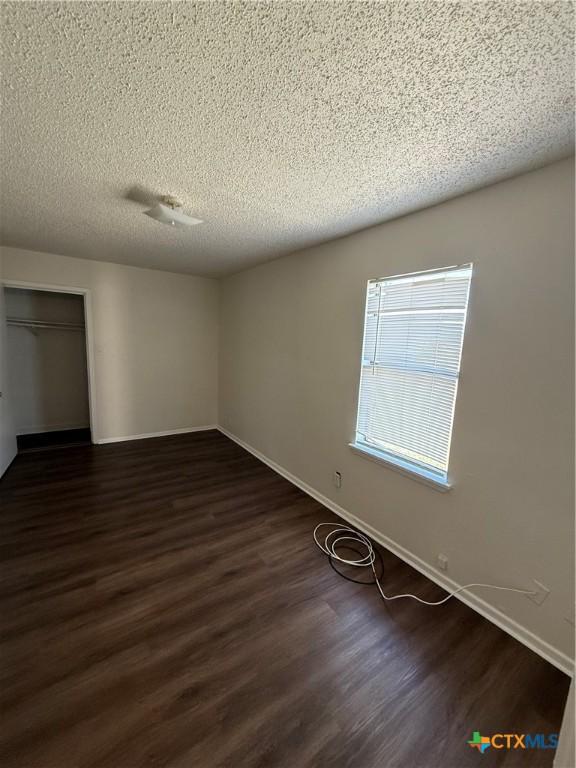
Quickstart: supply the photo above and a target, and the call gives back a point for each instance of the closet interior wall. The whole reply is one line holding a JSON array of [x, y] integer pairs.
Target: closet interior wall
[[47, 365]]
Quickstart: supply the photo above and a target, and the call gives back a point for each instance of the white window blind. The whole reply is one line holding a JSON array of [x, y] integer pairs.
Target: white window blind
[[413, 333]]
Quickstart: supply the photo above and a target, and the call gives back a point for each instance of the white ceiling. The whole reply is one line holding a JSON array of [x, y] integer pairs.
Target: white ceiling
[[281, 124]]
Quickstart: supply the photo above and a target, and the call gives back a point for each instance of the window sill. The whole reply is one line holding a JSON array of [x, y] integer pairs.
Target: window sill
[[405, 468]]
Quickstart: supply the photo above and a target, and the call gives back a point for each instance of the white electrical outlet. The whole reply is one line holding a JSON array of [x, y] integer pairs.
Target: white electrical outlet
[[442, 561], [540, 593], [337, 479]]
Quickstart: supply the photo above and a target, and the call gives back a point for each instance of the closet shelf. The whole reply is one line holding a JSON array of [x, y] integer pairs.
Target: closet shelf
[[25, 323]]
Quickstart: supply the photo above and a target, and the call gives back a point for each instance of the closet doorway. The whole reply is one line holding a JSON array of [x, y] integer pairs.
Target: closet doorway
[[48, 367]]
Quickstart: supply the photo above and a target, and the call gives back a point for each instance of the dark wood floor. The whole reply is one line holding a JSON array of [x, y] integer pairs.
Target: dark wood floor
[[163, 604]]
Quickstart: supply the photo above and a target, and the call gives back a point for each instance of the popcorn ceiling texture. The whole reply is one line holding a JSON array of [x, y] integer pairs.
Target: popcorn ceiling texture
[[281, 124]]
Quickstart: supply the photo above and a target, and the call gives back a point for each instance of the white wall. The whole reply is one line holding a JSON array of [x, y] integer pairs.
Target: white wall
[[155, 337], [291, 334], [47, 366]]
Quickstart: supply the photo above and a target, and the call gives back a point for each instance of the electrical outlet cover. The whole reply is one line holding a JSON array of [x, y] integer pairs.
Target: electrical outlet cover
[[541, 593], [442, 562]]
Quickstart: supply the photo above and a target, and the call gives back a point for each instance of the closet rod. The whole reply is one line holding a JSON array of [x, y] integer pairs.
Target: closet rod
[[24, 323]]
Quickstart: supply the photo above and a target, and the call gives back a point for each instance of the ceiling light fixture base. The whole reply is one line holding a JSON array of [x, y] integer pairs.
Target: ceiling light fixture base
[[169, 211]]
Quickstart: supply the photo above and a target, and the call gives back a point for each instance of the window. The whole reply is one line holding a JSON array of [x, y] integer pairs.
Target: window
[[413, 333]]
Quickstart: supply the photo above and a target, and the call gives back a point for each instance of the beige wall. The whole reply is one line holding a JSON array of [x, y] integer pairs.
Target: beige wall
[[154, 340], [291, 334]]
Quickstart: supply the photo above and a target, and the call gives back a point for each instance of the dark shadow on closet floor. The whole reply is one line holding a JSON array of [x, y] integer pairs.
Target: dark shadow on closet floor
[[60, 439]]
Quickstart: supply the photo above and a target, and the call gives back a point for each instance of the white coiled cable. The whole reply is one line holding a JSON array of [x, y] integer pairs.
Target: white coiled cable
[[340, 534]]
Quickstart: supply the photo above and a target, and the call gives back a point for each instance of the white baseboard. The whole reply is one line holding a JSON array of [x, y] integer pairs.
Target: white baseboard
[[517, 631], [146, 435]]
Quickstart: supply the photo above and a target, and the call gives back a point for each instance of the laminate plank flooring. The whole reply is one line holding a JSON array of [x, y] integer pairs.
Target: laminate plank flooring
[[163, 604]]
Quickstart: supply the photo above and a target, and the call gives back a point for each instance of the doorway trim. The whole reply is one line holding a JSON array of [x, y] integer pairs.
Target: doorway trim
[[89, 333]]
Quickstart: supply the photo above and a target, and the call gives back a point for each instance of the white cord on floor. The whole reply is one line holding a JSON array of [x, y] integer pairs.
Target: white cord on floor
[[344, 533]]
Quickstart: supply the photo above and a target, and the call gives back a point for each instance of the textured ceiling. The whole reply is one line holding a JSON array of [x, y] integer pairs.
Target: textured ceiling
[[280, 124]]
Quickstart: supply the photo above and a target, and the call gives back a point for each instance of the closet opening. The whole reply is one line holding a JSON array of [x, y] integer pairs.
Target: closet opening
[[48, 367]]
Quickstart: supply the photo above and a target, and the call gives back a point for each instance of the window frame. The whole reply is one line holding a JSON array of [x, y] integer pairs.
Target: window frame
[[413, 469]]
